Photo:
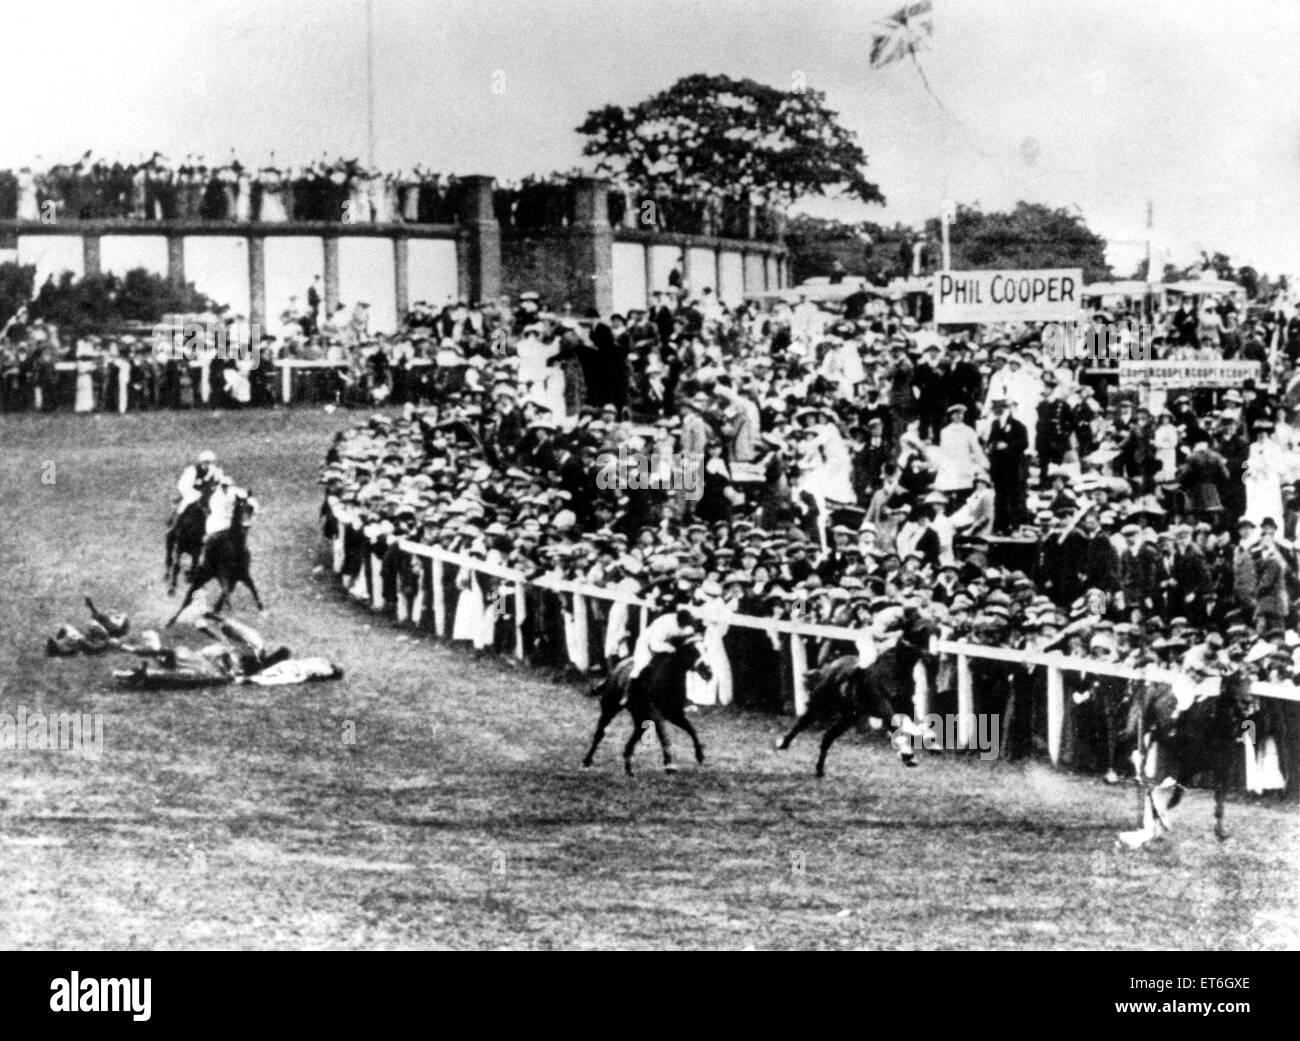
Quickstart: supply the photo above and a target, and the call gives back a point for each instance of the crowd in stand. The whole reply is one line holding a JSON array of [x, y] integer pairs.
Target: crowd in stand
[[341, 190], [832, 467], [156, 189]]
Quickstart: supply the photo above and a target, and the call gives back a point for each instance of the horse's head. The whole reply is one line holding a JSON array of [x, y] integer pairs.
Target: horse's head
[[245, 507], [690, 655], [917, 632]]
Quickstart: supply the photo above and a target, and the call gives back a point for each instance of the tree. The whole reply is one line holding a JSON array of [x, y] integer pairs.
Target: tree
[[713, 135], [1030, 236], [866, 250], [16, 283], [105, 303]]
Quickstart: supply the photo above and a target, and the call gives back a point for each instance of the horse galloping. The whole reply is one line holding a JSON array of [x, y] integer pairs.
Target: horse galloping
[[226, 559], [844, 693], [185, 538], [1205, 738], [657, 696]]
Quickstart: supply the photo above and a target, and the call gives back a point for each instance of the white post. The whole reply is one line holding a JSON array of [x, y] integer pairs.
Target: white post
[[965, 703], [521, 607], [1055, 712], [286, 381], [402, 609], [338, 546], [439, 600], [799, 669], [421, 591], [921, 699], [376, 581]]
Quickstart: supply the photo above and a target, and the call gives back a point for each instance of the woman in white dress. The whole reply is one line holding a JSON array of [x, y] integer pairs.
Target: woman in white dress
[[272, 207], [28, 205], [1265, 468], [1166, 442], [469, 603], [543, 383], [712, 610]]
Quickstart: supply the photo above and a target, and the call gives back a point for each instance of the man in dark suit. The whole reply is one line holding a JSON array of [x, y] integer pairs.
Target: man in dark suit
[[1101, 567], [1141, 574], [1061, 562], [1008, 443], [962, 383]]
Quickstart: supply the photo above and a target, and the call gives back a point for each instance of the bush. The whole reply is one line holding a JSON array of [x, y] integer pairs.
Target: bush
[[105, 303]]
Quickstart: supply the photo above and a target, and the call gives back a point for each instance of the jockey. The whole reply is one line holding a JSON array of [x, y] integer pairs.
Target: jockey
[[221, 506], [195, 479], [659, 636]]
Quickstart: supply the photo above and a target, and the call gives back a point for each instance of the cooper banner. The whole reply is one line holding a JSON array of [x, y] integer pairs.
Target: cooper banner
[[1185, 375], [1008, 296]]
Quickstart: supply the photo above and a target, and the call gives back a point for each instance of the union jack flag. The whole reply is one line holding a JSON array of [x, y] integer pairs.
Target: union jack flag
[[901, 33]]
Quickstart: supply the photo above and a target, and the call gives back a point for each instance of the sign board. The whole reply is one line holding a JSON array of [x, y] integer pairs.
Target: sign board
[[1187, 375], [1007, 296]]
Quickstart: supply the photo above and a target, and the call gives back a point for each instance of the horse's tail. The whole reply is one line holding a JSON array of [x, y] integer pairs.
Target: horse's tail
[[614, 687]]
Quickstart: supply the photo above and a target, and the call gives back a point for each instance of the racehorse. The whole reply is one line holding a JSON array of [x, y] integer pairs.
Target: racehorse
[[1204, 738], [658, 696], [185, 538], [226, 559], [844, 693]]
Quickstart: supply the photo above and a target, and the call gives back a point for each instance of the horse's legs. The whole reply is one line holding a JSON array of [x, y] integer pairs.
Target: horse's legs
[[661, 732], [678, 718], [189, 598], [226, 590], [842, 724], [248, 581], [607, 713], [1220, 797], [799, 724], [638, 728]]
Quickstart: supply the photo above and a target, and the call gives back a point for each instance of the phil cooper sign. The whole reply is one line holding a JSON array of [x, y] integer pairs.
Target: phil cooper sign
[[1008, 296]]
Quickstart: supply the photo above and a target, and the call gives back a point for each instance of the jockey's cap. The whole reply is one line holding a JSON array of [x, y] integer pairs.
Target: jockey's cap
[[207, 456]]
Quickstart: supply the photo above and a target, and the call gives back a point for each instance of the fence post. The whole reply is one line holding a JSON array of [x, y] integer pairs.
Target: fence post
[[521, 608], [921, 699], [798, 669], [580, 620], [402, 609], [965, 703], [338, 546], [421, 591], [1055, 712], [286, 381], [439, 599], [376, 581]]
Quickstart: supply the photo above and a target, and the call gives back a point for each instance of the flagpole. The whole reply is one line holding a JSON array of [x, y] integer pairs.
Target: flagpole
[[370, 83]]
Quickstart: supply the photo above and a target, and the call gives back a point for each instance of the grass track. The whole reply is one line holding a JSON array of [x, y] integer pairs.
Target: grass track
[[460, 818]]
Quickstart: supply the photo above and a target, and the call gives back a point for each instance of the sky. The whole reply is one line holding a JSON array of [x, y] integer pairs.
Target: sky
[[1094, 105]]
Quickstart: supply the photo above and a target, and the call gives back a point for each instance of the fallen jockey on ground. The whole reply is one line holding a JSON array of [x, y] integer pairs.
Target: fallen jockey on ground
[[237, 655]]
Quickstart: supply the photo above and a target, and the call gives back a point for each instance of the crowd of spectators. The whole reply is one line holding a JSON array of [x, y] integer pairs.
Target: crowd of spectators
[[831, 467], [156, 189], [341, 190]]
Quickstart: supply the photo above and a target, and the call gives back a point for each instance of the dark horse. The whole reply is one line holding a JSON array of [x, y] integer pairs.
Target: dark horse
[[1204, 739], [185, 538], [842, 693], [226, 559], [658, 696]]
